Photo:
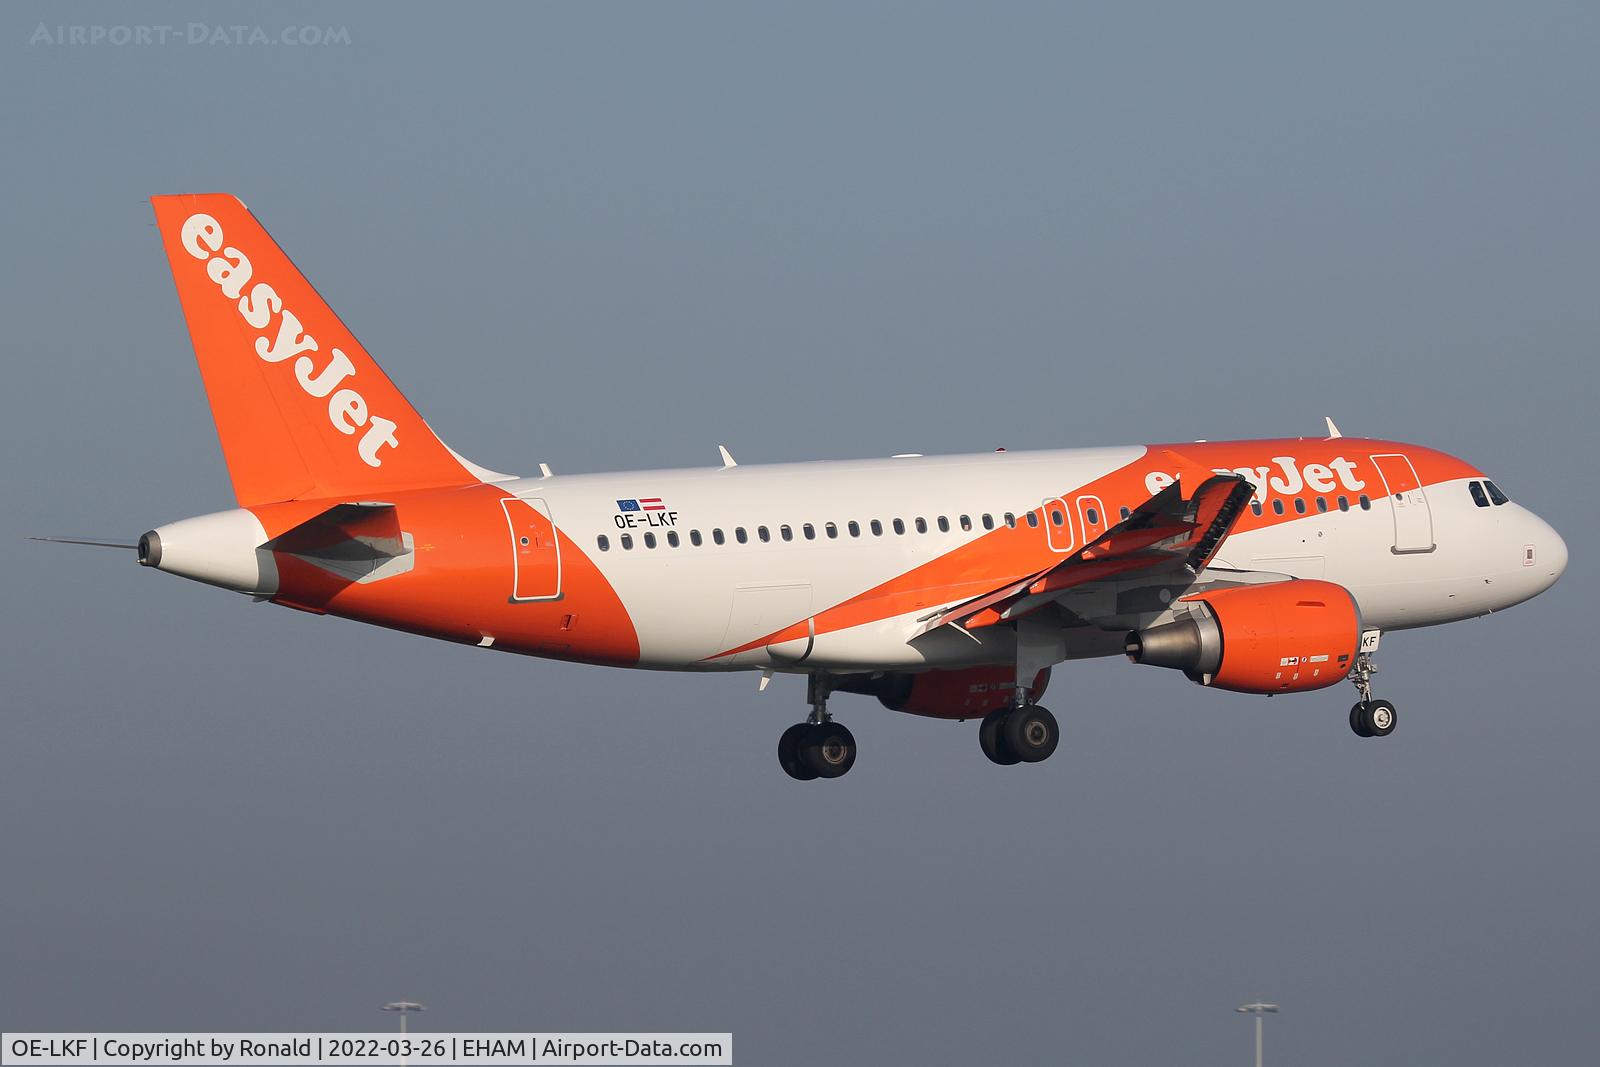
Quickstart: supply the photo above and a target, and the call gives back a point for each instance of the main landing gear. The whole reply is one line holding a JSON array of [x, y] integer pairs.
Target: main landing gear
[[818, 747], [1369, 718], [1022, 733]]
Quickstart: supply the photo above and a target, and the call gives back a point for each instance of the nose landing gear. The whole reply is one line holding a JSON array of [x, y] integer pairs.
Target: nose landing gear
[[1369, 718], [818, 747]]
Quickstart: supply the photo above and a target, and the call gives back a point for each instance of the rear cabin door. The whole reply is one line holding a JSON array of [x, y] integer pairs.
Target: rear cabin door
[[535, 553], [1413, 521]]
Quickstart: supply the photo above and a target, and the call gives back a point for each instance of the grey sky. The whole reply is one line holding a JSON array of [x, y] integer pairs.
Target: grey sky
[[611, 236]]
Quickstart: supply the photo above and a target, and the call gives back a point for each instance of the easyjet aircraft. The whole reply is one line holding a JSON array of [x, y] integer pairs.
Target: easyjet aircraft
[[944, 586]]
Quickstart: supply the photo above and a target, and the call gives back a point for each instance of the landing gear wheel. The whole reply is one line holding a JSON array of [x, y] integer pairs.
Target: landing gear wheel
[[1379, 718], [1031, 733], [789, 753], [1358, 713], [1373, 718], [991, 737], [827, 749]]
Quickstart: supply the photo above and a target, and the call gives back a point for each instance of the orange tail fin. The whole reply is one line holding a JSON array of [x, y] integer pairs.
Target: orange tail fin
[[301, 408]]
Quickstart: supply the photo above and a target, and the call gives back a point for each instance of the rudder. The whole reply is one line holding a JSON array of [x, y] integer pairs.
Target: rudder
[[301, 409]]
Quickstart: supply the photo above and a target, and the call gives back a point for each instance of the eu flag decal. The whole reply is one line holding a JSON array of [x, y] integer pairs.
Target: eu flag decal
[[627, 505]]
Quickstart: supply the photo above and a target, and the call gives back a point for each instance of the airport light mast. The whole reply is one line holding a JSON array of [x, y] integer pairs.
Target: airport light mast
[[404, 1008], [1258, 1009]]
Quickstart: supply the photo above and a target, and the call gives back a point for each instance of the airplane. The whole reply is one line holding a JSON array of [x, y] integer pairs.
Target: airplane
[[944, 586]]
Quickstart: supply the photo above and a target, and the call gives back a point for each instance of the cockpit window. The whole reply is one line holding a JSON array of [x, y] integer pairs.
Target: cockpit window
[[1495, 494], [1479, 497]]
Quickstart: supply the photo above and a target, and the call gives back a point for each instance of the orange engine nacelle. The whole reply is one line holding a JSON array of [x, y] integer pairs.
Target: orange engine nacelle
[[1286, 637], [970, 693]]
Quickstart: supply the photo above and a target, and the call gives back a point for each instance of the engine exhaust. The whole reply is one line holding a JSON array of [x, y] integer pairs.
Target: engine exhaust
[[1192, 645]]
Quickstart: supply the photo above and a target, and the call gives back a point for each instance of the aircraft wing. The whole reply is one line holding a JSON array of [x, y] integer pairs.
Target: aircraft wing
[[1166, 534]]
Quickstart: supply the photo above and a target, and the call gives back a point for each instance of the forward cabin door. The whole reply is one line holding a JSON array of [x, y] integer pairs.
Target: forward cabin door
[[1413, 520], [535, 553]]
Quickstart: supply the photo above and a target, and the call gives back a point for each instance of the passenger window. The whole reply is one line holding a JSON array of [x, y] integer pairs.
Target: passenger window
[[1299, 505], [785, 532], [899, 527], [854, 528], [1479, 497], [694, 538], [944, 524], [922, 524], [1344, 503], [740, 536], [1055, 516], [672, 538], [1255, 506], [1033, 519], [1496, 495], [716, 535], [966, 522], [1011, 520], [763, 533], [626, 540], [831, 530], [1322, 503], [1126, 512], [1366, 502], [1277, 507], [877, 528], [810, 531], [649, 540], [604, 542], [1094, 517], [988, 521]]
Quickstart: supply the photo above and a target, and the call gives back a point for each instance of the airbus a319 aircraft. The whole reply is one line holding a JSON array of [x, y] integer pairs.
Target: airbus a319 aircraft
[[944, 586]]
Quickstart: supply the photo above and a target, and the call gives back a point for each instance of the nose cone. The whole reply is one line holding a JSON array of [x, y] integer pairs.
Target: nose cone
[[1544, 554], [1551, 557]]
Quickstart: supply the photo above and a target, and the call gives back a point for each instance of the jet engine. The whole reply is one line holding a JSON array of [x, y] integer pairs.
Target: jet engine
[[1281, 638]]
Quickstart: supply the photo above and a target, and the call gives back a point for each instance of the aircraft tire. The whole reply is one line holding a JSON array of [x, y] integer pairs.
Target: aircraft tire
[[1358, 714], [1031, 733], [828, 749], [991, 738], [1380, 718], [789, 753]]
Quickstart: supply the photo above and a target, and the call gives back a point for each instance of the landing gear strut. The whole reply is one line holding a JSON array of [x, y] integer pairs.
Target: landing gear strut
[[1026, 732], [1022, 733], [1369, 718], [818, 747]]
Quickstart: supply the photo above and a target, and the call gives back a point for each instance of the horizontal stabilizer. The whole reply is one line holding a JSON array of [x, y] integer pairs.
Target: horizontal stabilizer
[[359, 542]]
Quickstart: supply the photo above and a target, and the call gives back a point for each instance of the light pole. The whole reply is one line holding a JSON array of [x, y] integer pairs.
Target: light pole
[[1258, 1009], [404, 1008]]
